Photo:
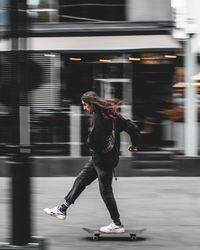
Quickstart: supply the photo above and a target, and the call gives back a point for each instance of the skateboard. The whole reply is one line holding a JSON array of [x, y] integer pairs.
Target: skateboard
[[132, 232]]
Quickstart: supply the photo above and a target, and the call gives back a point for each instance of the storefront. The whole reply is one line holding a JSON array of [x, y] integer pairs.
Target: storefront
[[137, 69]]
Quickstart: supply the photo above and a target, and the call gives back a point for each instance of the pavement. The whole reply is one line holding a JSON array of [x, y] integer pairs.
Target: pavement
[[169, 207]]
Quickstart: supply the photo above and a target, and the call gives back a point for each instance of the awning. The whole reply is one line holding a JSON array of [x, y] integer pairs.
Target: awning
[[99, 43], [105, 43]]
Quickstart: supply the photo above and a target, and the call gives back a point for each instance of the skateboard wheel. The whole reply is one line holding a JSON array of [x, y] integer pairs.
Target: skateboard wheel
[[133, 237], [95, 237]]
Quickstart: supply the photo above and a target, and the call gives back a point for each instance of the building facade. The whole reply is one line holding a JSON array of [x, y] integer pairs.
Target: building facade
[[121, 49]]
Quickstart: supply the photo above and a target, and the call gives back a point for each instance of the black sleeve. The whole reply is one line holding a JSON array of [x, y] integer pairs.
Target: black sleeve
[[131, 128], [97, 136]]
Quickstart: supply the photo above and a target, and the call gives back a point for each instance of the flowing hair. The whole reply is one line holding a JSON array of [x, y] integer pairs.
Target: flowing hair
[[109, 108]]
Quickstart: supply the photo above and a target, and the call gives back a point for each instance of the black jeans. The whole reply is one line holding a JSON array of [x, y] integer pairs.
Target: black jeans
[[89, 173]]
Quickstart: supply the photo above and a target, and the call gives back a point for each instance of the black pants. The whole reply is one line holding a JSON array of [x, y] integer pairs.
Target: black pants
[[89, 173]]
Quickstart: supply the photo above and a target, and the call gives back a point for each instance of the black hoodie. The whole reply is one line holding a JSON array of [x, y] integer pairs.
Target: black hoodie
[[102, 127]]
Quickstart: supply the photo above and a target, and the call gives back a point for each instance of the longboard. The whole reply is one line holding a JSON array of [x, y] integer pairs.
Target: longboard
[[132, 232]]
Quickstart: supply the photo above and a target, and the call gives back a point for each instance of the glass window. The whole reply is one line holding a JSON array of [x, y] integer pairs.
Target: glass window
[[99, 11], [92, 11], [42, 10], [142, 80], [60, 126], [4, 12]]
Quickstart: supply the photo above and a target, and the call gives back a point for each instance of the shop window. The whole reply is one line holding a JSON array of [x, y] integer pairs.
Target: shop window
[[60, 126], [92, 11]]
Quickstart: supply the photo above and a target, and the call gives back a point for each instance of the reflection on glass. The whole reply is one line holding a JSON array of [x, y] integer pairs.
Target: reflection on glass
[[92, 11], [4, 12], [43, 10]]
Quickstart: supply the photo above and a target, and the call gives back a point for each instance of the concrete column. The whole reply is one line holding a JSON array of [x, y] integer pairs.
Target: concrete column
[[126, 111], [191, 122], [24, 119], [75, 131]]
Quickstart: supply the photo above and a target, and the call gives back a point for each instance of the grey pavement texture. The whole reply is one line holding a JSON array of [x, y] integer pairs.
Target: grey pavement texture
[[169, 207]]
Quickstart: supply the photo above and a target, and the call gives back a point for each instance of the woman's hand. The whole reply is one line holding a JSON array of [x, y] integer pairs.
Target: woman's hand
[[132, 148]]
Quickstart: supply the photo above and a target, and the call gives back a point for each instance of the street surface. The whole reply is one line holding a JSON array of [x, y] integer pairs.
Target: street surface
[[169, 207]]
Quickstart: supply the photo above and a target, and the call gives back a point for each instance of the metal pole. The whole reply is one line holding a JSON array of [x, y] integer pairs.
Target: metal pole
[[191, 125], [19, 151], [191, 119]]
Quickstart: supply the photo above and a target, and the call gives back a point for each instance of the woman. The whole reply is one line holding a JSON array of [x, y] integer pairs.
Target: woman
[[106, 118]]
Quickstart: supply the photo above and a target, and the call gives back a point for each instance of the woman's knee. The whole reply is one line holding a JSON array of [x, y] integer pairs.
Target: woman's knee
[[105, 187]]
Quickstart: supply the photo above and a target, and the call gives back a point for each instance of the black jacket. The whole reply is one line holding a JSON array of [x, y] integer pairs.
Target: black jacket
[[102, 127]]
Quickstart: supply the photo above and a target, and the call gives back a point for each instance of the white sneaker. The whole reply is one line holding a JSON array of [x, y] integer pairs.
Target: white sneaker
[[112, 228], [55, 212]]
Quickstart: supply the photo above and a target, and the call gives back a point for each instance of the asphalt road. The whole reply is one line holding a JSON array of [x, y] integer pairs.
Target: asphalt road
[[169, 207]]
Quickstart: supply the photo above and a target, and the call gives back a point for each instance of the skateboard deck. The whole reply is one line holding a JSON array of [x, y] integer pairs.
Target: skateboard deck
[[132, 232]]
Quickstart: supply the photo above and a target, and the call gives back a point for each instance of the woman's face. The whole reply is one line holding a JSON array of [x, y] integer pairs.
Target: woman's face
[[88, 107]]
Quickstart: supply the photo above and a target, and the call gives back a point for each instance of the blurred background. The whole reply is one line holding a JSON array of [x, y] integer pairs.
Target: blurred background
[[132, 50], [144, 52]]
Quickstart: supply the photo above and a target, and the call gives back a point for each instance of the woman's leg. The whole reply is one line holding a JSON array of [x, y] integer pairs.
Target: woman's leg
[[86, 176], [105, 185]]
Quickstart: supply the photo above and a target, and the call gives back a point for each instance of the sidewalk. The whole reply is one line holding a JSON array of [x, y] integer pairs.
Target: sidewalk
[[169, 207]]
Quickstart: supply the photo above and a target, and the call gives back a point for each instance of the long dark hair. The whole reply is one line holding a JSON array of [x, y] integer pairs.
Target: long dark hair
[[108, 108]]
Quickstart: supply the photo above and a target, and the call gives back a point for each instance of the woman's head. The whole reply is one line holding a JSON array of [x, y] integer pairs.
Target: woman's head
[[87, 101], [91, 102], [88, 107]]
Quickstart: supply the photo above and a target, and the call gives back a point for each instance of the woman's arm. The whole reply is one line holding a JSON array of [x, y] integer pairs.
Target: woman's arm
[[132, 129]]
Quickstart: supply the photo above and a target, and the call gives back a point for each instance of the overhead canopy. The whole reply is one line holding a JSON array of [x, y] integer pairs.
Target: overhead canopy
[[104, 43], [99, 43]]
